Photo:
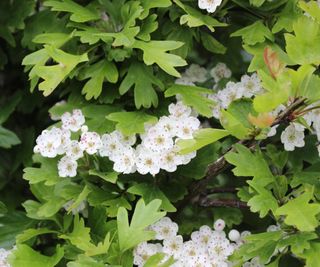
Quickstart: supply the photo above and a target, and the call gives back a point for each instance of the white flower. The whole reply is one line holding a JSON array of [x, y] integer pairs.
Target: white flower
[[111, 145], [67, 167], [220, 71], [79, 209], [57, 117], [232, 92], [173, 246], [251, 85], [217, 108], [169, 160], [147, 161], [125, 161], [127, 140], [65, 141], [187, 126], [209, 5], [219, 225], [48, 143], [74, 151], [157, 140], [196, 73], [202, 236], [164, 228], [234, 235], [184, 81], [179, 110], [90, 142], [292, 137], [169, 124], [4, 257], [220, 249], [144, 251], [74, 121]]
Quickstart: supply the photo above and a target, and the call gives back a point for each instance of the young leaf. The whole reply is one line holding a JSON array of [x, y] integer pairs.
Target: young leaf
[[55, 74], [80, 237], [254, 33], [303, 47], [143, 216], [131, 122], [79, 13], [263, 201], [193, 96], [97, 73], [250, 164], [300, 213], [25, 256], [141, 78], [201, 138], [156, 52]]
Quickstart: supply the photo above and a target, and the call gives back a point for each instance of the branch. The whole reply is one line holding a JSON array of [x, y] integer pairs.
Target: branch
[[198, 187], [233, 203]]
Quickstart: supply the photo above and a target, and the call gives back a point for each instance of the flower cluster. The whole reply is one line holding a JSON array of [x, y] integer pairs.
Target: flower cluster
[[207, 247], [156, 151], [248, 86], [4, 257], [197, 74]]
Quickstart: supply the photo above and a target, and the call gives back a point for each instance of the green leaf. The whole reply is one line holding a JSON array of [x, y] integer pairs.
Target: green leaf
[[141, 78], [8, 138], [30, 233], [287, 17], [303, 47], [79, 13], [143, 216], [47, 173], [312, 8], [250, 164], [212, 44], [300, 213], [257, 3], [55, 74], [147, 5], [201, 138], [298, 242], [131, 122], [9, 106], [155, 52], [262, 245], [193, 96], [158, 260], [149, 25], [195, 18], [97, 73], [312, 255], [279, 91], [110, 177], [80, 237], [235, 118], [55, 39], [263, 201], [25, 256], [84, 261], [254, 33], [12, 224], [150, 192]]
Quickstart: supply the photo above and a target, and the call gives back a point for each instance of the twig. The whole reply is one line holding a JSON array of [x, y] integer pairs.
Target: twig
[[233, 203]]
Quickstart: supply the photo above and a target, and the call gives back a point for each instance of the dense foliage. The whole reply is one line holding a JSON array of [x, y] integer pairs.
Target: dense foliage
[[159, 133]]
